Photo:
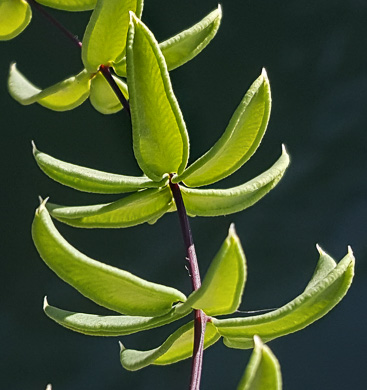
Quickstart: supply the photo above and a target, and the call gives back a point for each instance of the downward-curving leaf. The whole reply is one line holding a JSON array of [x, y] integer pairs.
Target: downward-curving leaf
[[96, 325], [104, 40], [102, 96], [224, 282], [69, 5], [106, 285], [213, 202], [90, 180], [62, 96], [239, 141], [183, 47], [15, 16], [144, 206], [324, 291], [177, 347], [159, 134], [262, 371]]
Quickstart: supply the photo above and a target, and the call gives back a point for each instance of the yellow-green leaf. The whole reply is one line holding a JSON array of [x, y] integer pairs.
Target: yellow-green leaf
[[15, 16], [69, 5]]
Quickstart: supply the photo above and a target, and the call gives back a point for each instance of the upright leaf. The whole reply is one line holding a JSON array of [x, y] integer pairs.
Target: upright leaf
[[239, 141], [262, 371], [104, 40], [323, 293], [15, 16], [108, 286], [69, 5], [177, 347], [224, 282], [159, 134]]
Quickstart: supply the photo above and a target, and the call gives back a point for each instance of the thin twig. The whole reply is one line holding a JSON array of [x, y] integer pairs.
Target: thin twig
[[200, 317]]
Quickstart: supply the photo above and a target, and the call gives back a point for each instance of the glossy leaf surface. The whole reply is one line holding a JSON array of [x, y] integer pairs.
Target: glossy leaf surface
[[159, 133], [62, 96], [262, 371], [96, 325], [186, 45], [177, 347], [104, 40], [140, 207], [15, 16], [214, 202], [324, 291], [222, 287], [102, 96], [108, 286], [90, 180], [239, 141], [69, 5]]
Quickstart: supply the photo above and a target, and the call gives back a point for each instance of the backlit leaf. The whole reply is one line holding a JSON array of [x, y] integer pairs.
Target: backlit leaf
[[177, 347], [108, 286], [62, 96], [325, 291], [104, 40], [69, 5], [15, 16], [239, 141], [214, 202], [183, 47], [222, 287], [96, 325], [262, 371], [159, 133], [103, 98], [140, 207], [90, 180]]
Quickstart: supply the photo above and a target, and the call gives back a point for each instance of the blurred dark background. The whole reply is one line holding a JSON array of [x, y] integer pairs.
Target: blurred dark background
[[314, 52]]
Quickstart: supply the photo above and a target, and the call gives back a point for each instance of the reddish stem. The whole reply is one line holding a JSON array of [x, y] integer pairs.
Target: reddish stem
[[200, 317]]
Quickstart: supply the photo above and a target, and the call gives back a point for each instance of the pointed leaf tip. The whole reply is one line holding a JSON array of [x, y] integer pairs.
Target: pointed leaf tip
[[122, 347], [34, 148], [264, 73], [45, 302]]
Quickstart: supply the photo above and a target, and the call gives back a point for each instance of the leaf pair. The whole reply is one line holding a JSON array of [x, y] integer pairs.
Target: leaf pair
[[104, 43]]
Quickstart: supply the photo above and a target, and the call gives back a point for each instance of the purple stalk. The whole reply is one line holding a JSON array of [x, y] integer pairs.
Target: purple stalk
[[200, 317]]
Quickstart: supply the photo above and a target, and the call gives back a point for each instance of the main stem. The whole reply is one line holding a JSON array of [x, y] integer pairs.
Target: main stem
[[200, 317]]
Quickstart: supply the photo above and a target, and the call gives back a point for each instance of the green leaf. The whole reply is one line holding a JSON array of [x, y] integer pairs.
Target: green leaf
[[214, 202], [325, 291], [160, 139], [183, 47], [239, 141], [91, 180], [262, 371], [62, 96], [177, 347], [102, 96], [224, 282], [69, 5], [140, 207], [108, 286], [104, 40], [96, 325], [15, 16]]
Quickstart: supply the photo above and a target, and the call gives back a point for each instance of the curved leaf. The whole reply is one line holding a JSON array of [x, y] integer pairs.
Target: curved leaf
[[15, 16], [108, 286], [160, 139], [177, 347], [325, 291], [183, 47], [90, 180], [104, 41], [239, 141], [102, 96], [262, 371], [214, 202], [140, 207], [69, 5], [96, 325], [62, 96], [222, 288]]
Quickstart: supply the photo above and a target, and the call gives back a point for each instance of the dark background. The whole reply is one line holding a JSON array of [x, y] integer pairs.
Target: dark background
[[314, 52]]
